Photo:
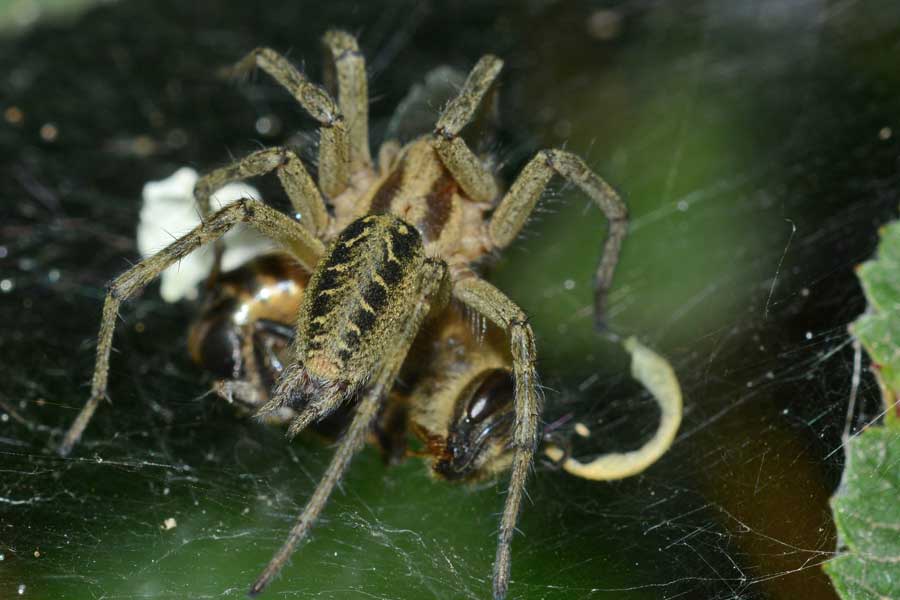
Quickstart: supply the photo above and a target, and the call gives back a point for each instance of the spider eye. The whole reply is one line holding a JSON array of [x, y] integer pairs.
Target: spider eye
[[494, 393]]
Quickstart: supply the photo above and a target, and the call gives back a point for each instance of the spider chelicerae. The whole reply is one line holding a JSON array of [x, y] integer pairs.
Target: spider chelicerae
[[392, 250]]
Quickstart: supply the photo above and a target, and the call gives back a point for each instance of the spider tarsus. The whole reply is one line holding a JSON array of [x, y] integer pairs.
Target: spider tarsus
[[301, 422], [501, 581], [258, 587], [242, 69], [64, 448], [73, 434]]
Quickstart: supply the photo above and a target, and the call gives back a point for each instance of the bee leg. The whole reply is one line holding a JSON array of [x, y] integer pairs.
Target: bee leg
[[241, 393], [283, 332]]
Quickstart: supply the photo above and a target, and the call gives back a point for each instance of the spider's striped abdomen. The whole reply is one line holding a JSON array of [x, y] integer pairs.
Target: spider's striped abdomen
[[357, 300]]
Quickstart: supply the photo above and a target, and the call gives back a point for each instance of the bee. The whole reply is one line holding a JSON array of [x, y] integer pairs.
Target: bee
[[394, 249], [456, 398], [242, 332]]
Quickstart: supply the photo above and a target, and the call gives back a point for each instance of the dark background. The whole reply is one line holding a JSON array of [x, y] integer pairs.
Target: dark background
[[757, 149]]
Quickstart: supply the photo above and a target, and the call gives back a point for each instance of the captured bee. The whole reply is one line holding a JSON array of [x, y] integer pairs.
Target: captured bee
[[393, 248], [467, 426], [243, 331], [456, 402]]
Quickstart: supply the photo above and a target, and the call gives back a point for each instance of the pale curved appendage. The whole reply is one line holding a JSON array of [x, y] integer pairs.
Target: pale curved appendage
[[655, 373], [522, 197]]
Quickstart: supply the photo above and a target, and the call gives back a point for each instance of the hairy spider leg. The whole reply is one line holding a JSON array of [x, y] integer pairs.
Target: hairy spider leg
[[506, 222], [334, 140], [519, 202], [345, 77], [292, 237], [466, 167], [343, 148], [491, 303], [432, 282], [299, 186]]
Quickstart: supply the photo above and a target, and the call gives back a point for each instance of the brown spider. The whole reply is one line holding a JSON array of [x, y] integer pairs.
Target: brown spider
[[398, 250]]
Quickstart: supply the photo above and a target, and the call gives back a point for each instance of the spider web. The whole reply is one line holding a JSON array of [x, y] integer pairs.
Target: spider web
[[756, 148]]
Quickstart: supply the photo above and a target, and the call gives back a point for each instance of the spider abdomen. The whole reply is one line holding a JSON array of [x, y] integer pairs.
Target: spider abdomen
[[357, 298]]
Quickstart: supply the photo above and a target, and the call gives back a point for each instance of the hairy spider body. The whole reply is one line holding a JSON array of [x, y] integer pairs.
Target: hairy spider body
[[352, 311], [401, 241]]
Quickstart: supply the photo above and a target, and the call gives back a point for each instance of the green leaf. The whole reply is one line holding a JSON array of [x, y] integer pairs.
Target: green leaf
[[866, 512], [878, 330], [866, 506], [879, 334], [879, 277]]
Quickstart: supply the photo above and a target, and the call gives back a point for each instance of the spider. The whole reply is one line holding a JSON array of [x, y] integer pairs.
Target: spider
[[392, 247]]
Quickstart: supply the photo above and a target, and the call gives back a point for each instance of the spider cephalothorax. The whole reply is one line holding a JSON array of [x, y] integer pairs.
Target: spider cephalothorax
[[391, 247]]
